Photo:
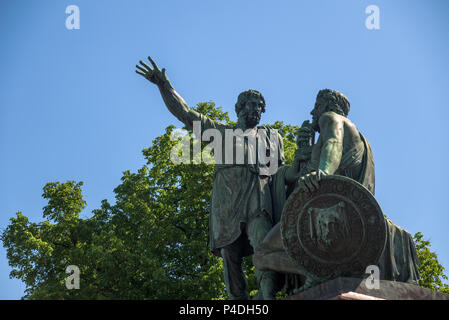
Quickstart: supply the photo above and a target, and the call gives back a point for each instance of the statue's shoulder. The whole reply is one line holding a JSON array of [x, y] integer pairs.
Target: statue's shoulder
[[270, 130], [267, 127], [331, 116]]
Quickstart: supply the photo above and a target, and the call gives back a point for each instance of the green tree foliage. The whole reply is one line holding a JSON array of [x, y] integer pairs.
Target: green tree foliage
[[430, 270], [40, 252]]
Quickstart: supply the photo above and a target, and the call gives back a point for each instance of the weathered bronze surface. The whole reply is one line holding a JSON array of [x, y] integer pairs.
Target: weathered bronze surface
[[331, 224], [338, 229], [241, 202]]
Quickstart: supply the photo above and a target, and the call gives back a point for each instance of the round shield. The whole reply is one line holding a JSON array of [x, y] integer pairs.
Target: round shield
[[337, 230]]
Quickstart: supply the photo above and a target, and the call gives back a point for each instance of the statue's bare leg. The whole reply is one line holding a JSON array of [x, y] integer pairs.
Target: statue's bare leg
[[270, 255], [268, 280]]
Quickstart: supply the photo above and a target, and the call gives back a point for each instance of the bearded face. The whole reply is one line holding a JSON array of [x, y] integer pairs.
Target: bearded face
[[252, 111], [318, 110]]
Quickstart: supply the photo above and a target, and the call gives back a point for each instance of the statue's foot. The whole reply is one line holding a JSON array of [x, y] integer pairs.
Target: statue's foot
[[266, 292], [269, 296], [269, 285], [310, 282], [261, 295]]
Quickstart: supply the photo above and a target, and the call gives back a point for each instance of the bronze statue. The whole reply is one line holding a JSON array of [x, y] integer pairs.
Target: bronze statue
[[330, 223], [341, 150], [241, 206]]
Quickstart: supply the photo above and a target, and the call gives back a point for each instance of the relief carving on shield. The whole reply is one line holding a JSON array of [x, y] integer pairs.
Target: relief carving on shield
[[329, 227], [338, 230]]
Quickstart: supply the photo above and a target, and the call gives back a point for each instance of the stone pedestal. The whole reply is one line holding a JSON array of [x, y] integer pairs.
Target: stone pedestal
[[356, 289]]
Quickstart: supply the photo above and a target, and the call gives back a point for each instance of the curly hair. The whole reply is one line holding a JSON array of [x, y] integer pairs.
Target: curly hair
[[335, 101], [244, 97]]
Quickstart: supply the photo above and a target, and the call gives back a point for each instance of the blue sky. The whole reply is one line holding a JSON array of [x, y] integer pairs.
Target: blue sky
[[72, 107]]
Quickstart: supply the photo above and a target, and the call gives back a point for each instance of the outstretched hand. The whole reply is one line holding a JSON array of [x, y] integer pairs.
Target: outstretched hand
[[154, 75]]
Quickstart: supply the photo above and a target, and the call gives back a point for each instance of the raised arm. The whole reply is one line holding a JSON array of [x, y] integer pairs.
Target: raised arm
[[174, 102], [331, 150]]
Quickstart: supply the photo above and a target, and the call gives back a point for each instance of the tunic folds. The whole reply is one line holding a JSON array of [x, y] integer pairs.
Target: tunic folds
[[241, 190]]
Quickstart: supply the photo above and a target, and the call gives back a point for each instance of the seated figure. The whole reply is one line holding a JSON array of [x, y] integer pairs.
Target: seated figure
[[340, 150]]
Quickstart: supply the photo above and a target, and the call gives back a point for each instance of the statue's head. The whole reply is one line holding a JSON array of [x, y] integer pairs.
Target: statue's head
[[329, 100], [249, 107]]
